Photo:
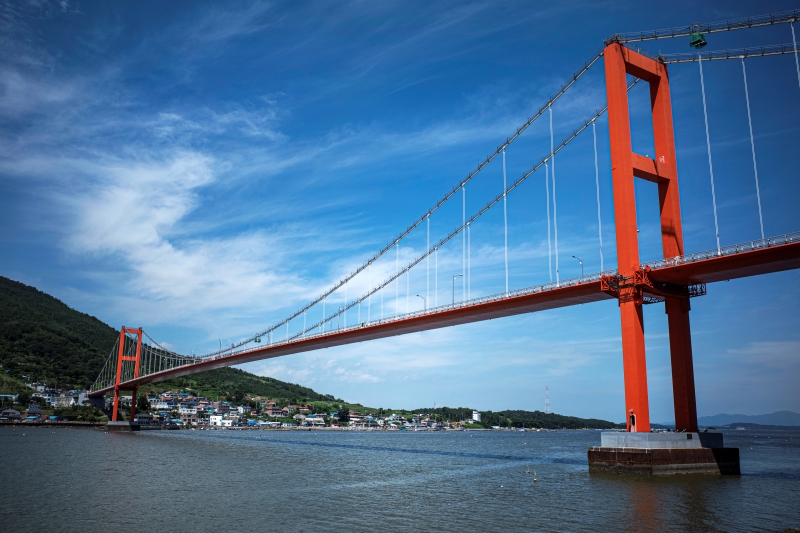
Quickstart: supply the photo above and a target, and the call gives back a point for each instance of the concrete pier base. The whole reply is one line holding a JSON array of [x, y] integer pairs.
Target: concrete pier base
[[663, 454], [123, 426]]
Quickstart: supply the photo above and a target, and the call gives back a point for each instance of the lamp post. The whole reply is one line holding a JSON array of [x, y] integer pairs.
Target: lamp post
[[220, 344], [338, 317], [581, 262], [454, 288], [424, 302]]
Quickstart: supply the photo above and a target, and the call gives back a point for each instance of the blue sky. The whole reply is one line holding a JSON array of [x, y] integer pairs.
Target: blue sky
[[202, 170]]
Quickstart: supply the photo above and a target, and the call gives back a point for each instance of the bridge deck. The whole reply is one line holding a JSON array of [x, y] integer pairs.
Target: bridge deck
[[749, 259]]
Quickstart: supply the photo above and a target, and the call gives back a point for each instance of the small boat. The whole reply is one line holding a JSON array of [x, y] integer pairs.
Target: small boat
[[740, 428]]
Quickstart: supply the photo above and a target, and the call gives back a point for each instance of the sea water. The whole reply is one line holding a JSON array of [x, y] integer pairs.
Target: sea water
[[91, 480]]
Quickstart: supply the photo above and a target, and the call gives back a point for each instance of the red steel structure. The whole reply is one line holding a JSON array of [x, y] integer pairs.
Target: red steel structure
[[672, 280], [627, 165], [121, 358]]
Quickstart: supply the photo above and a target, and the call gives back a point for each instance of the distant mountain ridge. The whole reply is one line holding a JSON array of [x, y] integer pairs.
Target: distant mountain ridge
[[778, 418]]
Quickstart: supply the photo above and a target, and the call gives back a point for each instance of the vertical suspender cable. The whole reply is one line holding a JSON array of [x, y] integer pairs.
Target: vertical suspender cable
[[553, 174], [381, 317], [796, 63], [547, 192], [287, 331], [505, 219], [469, 262], [408, 283], [708, 144], [436, 277], [428, 263], [322, 324], [397, 280], [463, 244], [753, 148], [304, 323], [597, 186], [369, 298], [345, 308]]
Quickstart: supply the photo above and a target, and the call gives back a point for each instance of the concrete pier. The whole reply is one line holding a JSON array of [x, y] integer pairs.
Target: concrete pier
[[663, 454]]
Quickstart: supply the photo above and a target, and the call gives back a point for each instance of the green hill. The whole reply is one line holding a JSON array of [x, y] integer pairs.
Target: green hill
[[538, 419], [44, 339], [519, 419]]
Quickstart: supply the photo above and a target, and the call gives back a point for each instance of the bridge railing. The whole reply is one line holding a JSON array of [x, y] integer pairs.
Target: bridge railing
[[733, 249]]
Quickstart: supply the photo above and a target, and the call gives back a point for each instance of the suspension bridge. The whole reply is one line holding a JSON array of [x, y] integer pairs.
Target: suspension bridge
[[136, 359]]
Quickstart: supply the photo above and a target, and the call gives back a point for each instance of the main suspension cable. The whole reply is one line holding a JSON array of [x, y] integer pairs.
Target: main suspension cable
[[709, 27], [575, 77], [544, 162]]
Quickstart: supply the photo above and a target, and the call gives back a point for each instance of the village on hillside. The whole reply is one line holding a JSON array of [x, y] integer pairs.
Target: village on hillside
[[184, 410]]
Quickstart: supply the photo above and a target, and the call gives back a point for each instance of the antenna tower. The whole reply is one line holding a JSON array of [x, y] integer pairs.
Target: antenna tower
[[546, 400]]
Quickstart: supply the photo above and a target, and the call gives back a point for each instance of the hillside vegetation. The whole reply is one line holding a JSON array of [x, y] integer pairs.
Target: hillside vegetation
[[519, 419], [44, 339], [235, 383]]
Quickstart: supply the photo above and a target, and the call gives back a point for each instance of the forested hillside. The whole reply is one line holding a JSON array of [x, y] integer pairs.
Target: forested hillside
[[44, 339], [236, 383], [519, 419]]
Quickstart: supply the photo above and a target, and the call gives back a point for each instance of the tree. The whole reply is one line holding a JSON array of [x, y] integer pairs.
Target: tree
[[24, 398], [142, 405], [344, 414]]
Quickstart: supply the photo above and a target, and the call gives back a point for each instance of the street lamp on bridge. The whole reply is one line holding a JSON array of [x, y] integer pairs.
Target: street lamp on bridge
[[424, 301], [581, 262], [454, 288]]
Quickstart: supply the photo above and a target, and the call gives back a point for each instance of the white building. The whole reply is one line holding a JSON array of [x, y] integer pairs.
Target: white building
[[220, 421], [476, 416]]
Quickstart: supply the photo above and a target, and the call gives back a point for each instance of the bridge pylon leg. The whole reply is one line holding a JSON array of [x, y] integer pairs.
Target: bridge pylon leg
[[680, 347], [634, 364], [133, 403], [118, 378]]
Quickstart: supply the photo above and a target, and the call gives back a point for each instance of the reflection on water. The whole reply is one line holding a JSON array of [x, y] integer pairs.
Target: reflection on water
[[78, 480]]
